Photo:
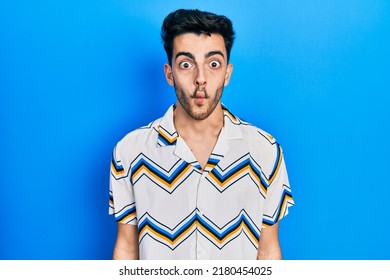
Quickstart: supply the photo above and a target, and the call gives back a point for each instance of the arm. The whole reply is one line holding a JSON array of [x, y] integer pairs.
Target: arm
[[269, 248], [126, 246]]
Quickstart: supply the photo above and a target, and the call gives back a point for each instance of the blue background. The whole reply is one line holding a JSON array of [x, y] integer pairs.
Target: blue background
[[76, 76]]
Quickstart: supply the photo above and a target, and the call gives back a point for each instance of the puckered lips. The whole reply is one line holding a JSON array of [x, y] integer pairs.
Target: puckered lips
[[200, 96]]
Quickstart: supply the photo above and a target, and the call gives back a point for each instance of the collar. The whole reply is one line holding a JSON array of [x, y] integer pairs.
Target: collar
[[168, 136]]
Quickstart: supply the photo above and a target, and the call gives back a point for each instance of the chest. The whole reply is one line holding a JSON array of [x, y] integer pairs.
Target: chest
[[202, 149], [175, 199]]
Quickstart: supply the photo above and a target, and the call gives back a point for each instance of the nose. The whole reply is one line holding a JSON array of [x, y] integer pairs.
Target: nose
[[200, 78]]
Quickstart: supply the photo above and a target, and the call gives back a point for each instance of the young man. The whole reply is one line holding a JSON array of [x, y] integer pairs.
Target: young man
[[198, 183]]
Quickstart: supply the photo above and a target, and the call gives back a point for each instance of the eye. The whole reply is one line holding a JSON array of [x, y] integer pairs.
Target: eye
[[185, 65], [214, 64]]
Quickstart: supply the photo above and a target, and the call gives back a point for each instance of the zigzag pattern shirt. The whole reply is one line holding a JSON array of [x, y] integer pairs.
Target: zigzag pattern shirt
[[184, 212]]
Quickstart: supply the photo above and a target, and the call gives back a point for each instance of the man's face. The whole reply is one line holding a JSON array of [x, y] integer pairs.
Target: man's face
[[199, 72]]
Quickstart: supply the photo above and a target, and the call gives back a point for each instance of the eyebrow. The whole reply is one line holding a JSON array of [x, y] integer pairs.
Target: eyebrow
[[187, 54], [190, 55], [214, 53]]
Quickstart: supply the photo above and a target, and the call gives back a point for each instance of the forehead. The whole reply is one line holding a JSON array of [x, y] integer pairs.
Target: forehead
[[198, 45]]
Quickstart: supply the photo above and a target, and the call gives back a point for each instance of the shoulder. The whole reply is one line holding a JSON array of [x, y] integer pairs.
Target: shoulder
[[258, 137], [139, 138], [264, 149], [250, 133]]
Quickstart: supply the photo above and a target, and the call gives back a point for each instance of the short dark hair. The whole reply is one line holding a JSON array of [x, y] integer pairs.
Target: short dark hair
[[195, 21]]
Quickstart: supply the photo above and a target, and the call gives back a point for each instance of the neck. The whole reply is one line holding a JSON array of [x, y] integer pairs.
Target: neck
[[187, 126]]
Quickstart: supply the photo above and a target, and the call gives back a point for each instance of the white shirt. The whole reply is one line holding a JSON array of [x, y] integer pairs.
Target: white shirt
[[183, 212]]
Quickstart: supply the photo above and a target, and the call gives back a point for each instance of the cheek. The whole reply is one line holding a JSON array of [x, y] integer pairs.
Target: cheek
[[183, 79], [217, 80]]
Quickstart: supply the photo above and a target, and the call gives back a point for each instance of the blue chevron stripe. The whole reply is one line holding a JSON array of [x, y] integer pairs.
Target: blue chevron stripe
[[197, 166], [234, 170], [214, 160], [286, 195], [230, 229], [222, 178], [231, 172], [277, 160], [125, 214], [166, 141], [142, 162], [159, 230], [196, 218], [165, 138], [118, 168]]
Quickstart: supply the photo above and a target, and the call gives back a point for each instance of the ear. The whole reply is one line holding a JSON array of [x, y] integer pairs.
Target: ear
[[229, 71], [168, 74]]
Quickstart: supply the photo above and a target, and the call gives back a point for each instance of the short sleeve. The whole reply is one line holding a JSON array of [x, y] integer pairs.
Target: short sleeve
[[121, 201], [279, 197]]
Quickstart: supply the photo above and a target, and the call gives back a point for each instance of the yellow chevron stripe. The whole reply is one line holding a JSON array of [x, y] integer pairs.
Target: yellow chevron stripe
[[250, 233], [230, 115], [197, 224], [270, 137], [147, 170], [170, 140], [284, 205], [131, 215], [209, 165], [164, 237], [238, 173], [240, 227], [230, 178], [115, 171], [282, 208]]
